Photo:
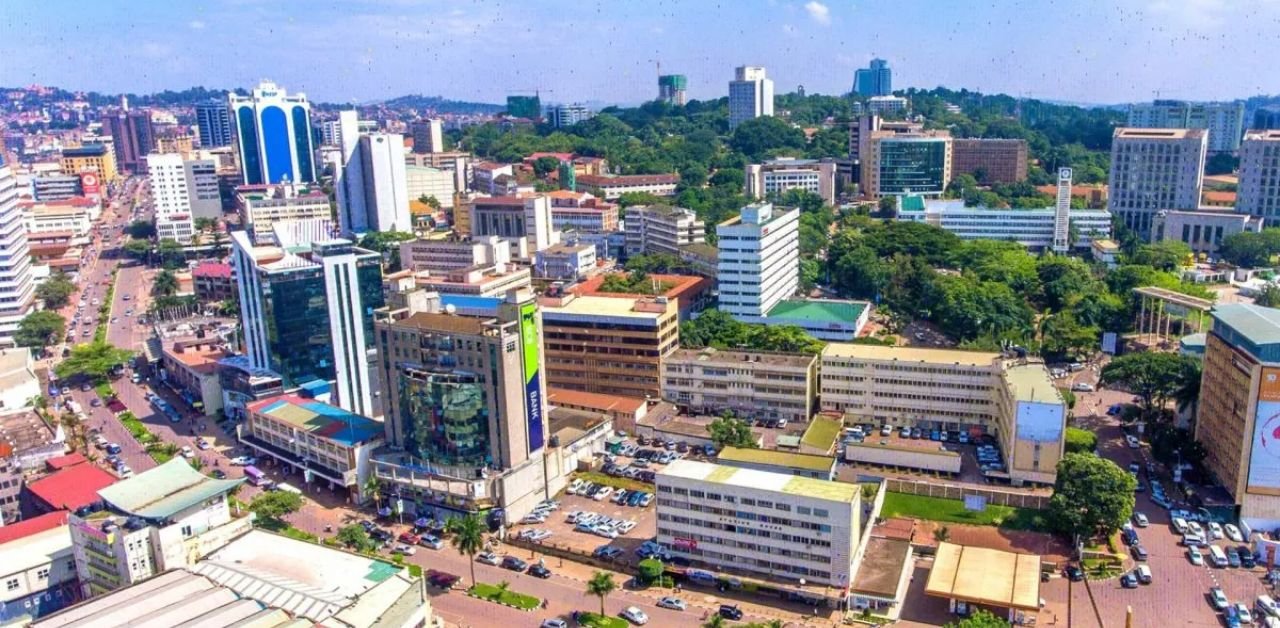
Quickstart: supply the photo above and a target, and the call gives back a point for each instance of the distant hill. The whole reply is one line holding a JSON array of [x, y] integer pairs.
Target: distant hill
[[440, 104]]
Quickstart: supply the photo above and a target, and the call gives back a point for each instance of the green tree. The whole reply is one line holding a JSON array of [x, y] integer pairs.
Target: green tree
[[141, 230], [858, 272], [1153, 376], [601, 585], [165, 284], [355, 537], [727, 431], [40, 329], [716, 621], [1248, 249], [1062, 278], [980, 619], [1092, 496], [1062, 336], [1221, 163], [1268, 296], [1163, 255], [1080, 441], [94, 361], [887, 207], [388, 244], [273, 506], [204, 223], [56, 291], [650, 570], [137, 249], [467, 537], [170, 252], [373, 488], [767, 136], [544, 166]]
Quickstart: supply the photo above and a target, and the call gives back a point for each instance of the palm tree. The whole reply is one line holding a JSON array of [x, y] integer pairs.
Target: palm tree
[[373, 488], [716, 621], [165, 284], [601, 585], [468, 538]]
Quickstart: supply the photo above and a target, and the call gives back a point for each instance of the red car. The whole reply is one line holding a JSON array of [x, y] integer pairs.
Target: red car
[[409, 538]]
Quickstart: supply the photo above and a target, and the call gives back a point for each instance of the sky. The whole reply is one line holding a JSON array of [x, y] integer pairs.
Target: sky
[[610, 51]]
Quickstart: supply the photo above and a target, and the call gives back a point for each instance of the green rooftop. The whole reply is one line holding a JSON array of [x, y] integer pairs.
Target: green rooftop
[[165, 491], [822, 489], [822, 433], [773, 457], [819, 310], [1031, 382], [911, 203]]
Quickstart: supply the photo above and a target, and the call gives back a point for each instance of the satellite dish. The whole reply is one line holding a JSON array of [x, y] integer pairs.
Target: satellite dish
[[451, 309]]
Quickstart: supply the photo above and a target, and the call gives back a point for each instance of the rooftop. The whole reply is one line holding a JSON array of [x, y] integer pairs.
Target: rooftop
[[595, 401], [165, 490], [1260, 325], [881, 569], [1031, 382], [627, 179], [62, 462], [48, 539], [1109, 246], [88, 150], [72, 488], [819, 310], [23, 430], [208, 268], [442, 322], [824, 490], [30, 527], [320, 419], [985, 576], [1269, 135], [600, 306], [1168, 134], [773, 457], [711, 355], [909, 354], [822, 433]]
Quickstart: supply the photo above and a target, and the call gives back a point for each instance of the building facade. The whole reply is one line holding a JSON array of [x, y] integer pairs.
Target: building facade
[[373, 190], [990, 161], [750, 95], [565, 261], [1259, 184], [95, 158], [262, 206], [132, 136], [907, 163], [1224, 121], [759, 260], [609, 345], [751, 384], [17, 288], [515, 217], [1155, 169], [1202, 230], [561, 116], [673, 89], [654, 229], [774, 177], [325, 442], [612, 186], [1033, 228], [56, 187], [213, 119], [428, 136], [273, 135], [873, 80]]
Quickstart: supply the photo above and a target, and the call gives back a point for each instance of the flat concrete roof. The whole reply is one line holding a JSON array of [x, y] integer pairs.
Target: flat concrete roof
[[729, 357], [1031, 382], [824, 490], [777, 458], [601, 306], [910, 354], [880, 571], [985, 576], [1170, 134]]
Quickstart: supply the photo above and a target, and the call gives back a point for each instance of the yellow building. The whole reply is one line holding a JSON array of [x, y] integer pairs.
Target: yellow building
[[609, 345], [90, 158]]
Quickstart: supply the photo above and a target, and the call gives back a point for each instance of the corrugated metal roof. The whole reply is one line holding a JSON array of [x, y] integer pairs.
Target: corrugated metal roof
[[1260, 325], [165, 490]]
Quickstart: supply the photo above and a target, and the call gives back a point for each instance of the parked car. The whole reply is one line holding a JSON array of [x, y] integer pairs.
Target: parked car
[[430, 541], [673, 603], [1129, 581], [1218, 598], [1140, 520], [554, 622], [407, 550], [1233, 532], [1242, 613], [441, 580], [1139, 552], [514, 564], [730, 611], [244, 461], [539, 571], [489, 558], [1246, 557], [1194, 555], [410, 538], [1073, 573], [634, 615]]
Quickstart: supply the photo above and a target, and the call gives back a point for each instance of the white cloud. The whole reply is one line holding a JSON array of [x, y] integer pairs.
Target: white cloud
[[1190, 14], [196, 25], [818, 12]]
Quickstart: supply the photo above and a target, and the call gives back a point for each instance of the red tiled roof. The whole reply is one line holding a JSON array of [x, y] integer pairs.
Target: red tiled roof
[[627, 179], [34, 525], [63, 462], [73, 488], [595, 401], [221, 270]]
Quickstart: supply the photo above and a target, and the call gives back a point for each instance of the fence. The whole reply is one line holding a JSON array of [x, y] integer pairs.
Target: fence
[[958, 492]]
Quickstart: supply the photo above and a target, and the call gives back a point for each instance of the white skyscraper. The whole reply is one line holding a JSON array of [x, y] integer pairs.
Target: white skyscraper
[[16, 289], [1223, 120], [372, 185], [273, 135], [167, 175], [759, 260], [1154, 170], [750, 95], [350, 346], [1259, 189]]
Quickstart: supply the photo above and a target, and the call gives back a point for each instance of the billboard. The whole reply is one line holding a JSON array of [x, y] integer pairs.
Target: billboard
[[532, 376], [89, 184], [1264, 458]]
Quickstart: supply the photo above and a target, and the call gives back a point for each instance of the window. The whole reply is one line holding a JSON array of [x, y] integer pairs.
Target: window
[[11, 585], [186, 531], [43, 573]]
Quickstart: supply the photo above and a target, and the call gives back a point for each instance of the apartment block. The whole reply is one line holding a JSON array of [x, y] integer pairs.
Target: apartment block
[[990, 161], [776, 176], [1259, 187], [515, 218], [261, 206], [660, 229], [751, 384], [612, 186], [609, 345], [1224, 121], [1152, 170], [443, 256], [581, 211], [759, 260], [95, 158], [750, 95]]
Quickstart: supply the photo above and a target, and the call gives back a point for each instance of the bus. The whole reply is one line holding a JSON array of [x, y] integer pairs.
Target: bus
[[257, 477]]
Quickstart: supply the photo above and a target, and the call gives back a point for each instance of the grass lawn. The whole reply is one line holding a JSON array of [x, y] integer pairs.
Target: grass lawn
[[596, 620], [952, 511], [609, 480], [137, 428], [822, 432], [494, 594]]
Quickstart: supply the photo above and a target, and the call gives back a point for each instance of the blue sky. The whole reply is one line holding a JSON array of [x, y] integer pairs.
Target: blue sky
[[605, 51]]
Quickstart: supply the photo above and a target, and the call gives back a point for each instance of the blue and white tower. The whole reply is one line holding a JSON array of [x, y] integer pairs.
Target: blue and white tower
[[273, 135]]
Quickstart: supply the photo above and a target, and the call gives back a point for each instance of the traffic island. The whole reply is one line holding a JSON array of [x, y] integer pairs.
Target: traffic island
[[500, 594]]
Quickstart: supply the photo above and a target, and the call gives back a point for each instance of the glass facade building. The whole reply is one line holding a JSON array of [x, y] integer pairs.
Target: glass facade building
[[444, 417], [913, 165]]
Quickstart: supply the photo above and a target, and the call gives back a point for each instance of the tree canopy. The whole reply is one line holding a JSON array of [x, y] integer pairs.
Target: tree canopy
[[1092, 496], [717, 329], [56, 291], [274, 505], [1151, 375], [141, 230], [40, 329], [728, 431], [1248, 249], [94, 360]]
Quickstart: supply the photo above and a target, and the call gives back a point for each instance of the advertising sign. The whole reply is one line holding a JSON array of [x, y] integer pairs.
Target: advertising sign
[[532, 377], [89, 183], [1264, 460]]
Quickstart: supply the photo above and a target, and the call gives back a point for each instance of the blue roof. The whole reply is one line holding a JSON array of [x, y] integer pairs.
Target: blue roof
[[468, 304], [1254, 328], [321, 419]]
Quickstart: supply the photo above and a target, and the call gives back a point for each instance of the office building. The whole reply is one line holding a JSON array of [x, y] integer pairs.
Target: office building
[[74, 216], [327, 444], [774, 177], [941, 389], [1239, 409], [1155, 169], [892, 105], [422, 181], [565, 261], [1258, 191], [190, 367], [173, 143], [177, 227], [377, 198], [770, 526], [307, 313], [273, 135], [428, 136], [456, 163], [17, 291], [514, 218], [673, 89], [160, 519], [528, 107], [439, 256], [203, 194], [485, 176], [990, 161], [1266, 119], [262, 206], [898, 163], [612, 186], [874, 80], [654, 229], [480, 280], [609, 345], [750, 95], [132, 136], [1224, 121], [1204, 229], [56, 187], [168, 180], [212, 281], [38, 569], [213, 119], [560, 116], [94, 158], [581, 211], [756, 384], [759, 260]]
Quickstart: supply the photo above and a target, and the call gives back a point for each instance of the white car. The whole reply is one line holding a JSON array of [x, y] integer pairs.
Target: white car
[[575, 486], [187, 452], [1082, 387], [1133, 441], [626, 526], [402, 548], [1233, 532], [1194, 528], [1215, 531], [673, 603], [489, 558], [1242, 613], [1195, 556], [603, 493], [203, 444], [635, 616], [243, 461], [1140, 520], [553, 623]]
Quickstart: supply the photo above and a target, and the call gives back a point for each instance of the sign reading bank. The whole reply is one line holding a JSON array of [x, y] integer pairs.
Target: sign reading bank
[[532, 375], [1264, 461]]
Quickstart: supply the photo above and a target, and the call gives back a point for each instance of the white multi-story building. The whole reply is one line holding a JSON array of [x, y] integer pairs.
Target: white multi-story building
[[1032, 228], [763, 384], [37, 567], [659, 229], [1155, 169], [776, 176], [434, 183], [262, 206], [17, 292], [203, 195], [565, 261], [568, 115], [1259, 189], [750, 95], [323, 441], [177, 227], [1223, 120], [74, 215], [773, 526], [880, 105], [515, 217], [759, 260], [443, 256], [373, 189], [168, 179]]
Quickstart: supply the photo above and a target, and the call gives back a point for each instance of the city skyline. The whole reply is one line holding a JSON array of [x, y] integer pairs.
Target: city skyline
[[1089, 52]]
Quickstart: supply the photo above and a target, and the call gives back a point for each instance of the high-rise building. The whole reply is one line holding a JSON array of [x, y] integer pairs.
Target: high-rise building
[[273, 135], [168, 181], [214, 121], [673, 88], [202, 187], [1223, 120], [17, 291], [524, 107], [611, 345], [568, 115], [1152, 170], [262, 206], [132, 136], [94, 158], [874, 80], [990, 161], [1259, 188], [1266, 118], [372, 184], [899, 163], [750, 95], [513, 218], [428, 136], [661, 229], [775, 176], [307, 313], [759, 260]]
